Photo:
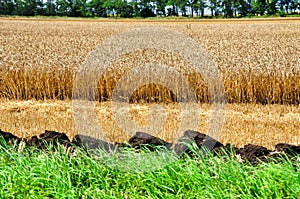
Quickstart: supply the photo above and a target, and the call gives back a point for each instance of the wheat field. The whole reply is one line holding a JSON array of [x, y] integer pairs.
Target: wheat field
[[258, 60]]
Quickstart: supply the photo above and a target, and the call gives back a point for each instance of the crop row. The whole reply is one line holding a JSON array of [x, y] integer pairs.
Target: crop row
[[258, 62]]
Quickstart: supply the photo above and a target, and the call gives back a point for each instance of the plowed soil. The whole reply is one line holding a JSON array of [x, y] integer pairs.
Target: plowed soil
[[252, 154]]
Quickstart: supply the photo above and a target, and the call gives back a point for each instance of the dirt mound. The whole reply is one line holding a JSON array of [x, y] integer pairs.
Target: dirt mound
[[254, 153], [47, 138], [249, 153], [92, 143], [9, 138], [201, 140], [141, 139], [287, 148]]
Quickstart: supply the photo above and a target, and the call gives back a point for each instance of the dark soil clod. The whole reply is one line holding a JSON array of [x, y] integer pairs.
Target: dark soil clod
[[92, 143], [253, 153], [34, 141], [287, 148], [9, 138], [141, 139], [49, 137], [250, 153], [200, 139]]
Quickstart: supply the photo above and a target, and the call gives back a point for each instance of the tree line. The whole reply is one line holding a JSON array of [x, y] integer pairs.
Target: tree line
[[148, 8]]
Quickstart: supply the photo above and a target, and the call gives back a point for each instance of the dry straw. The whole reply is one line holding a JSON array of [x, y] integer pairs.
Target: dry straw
[[258, 63]]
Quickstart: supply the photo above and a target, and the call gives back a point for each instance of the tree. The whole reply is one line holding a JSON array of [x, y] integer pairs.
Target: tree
[[161, 7], [183, 7], [110, 7], [39, 8], [122, 8], [135, 7], [75, 8], [27, 7], [50, 8], [174, 10], [127, 11], [213, 6], [6, 7], [96, 8], [241, 7], [62, 7], [281, 4], [193, 4], [294, 5], [227, 8], [147, 12], [271, 7], [259, 7], [287, 6], [201, 7], [147, 8]]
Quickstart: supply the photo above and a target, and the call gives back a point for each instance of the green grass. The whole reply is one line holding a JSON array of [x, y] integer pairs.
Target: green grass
[[30, 173]]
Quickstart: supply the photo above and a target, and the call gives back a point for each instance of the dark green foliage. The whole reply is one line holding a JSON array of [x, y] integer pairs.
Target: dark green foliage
[[148, 8], [147, 12]]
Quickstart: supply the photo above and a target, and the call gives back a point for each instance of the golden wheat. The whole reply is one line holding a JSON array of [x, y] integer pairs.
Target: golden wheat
[[258, 62], [264, 125]]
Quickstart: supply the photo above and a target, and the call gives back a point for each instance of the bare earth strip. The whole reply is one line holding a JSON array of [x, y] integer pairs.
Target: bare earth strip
[[264, 125]]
